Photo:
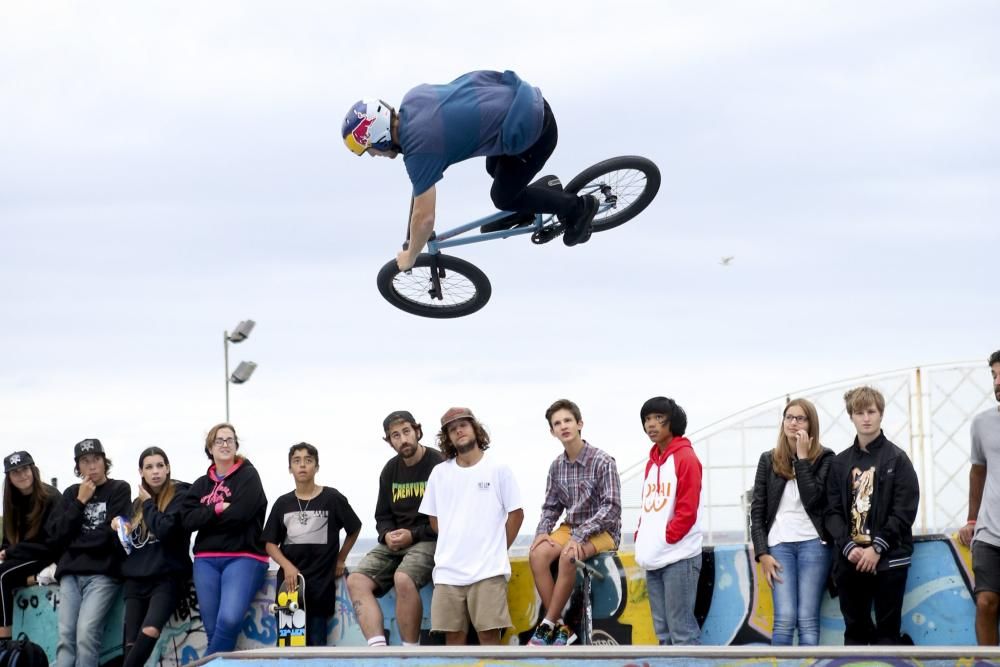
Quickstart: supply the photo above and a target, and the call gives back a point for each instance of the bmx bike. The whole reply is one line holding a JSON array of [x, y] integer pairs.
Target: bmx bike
[[443, 286]]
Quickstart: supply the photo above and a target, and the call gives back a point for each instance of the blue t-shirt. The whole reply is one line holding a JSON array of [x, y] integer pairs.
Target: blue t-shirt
[[479, 113]]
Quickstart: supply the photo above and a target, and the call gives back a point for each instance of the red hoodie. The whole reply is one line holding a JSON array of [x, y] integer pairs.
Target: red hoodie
[[669, 530]]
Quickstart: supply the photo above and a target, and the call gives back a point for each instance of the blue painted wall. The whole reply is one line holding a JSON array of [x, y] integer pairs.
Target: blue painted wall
[[734, 607]]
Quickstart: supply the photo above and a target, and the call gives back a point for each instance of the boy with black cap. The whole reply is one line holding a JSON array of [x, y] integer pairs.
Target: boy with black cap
[[668, 539], [89, 569], [404, 557]]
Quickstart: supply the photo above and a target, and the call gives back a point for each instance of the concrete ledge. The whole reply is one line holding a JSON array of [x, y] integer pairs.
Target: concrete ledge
[[631, 656]]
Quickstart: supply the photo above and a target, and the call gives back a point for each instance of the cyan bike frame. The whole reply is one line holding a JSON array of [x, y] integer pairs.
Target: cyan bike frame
[[447, 238]]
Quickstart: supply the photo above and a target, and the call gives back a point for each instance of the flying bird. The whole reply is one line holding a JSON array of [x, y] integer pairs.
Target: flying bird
[[725, 261]]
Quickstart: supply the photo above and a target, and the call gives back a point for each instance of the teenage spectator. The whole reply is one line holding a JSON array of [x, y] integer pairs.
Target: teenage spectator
[[786, 523], [226, 506], [26, 549], [872, 496], [302, 535], [158, 568], [474, 505], [982, 530], [89, 569], [669, 538], [404, 557], [583, 482]]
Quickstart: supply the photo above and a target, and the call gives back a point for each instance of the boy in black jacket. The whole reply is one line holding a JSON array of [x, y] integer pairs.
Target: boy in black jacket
[[872, 497], [89, 571]]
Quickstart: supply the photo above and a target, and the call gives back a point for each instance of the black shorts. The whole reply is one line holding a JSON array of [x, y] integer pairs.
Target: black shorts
[[986, 567]]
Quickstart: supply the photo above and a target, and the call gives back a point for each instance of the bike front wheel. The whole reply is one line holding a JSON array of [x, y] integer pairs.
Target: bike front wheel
[[625, 186], [459, 288]]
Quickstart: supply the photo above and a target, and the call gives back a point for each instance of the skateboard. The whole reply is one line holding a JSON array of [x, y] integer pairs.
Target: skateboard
[[290, 613]]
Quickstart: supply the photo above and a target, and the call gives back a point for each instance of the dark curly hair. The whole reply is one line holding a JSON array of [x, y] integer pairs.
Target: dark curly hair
[[994, 358], [449, 450]]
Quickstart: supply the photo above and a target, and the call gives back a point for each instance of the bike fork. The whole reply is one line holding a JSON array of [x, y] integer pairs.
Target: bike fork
[[437, 273]]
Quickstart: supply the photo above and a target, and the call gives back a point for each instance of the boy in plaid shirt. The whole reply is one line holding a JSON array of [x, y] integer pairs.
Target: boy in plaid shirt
[[582, 481]]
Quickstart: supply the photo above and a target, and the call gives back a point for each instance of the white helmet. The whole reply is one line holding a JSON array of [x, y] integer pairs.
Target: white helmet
[[367, 125]]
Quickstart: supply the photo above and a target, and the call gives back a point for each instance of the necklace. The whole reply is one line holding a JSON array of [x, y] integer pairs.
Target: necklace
[[303, 517]]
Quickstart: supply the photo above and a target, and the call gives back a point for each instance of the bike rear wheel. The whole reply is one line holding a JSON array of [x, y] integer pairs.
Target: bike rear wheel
[[629, 182], [464, 289]]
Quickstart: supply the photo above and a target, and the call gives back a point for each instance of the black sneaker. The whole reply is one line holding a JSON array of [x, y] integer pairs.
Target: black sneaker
[[580, 230]]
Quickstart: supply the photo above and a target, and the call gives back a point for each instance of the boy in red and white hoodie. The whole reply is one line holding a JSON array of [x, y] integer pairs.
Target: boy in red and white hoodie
[[668, 539]]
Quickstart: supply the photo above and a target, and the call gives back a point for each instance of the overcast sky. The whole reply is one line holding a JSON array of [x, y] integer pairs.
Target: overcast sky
[[169, 169]]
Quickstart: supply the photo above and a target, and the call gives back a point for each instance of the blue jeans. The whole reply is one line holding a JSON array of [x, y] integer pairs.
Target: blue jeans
[[225, 586], [84, 603], [672, 593], [805, 567]]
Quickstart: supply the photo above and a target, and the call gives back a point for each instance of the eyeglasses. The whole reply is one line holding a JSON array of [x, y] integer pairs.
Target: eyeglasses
[[225, 441], [798, 419]]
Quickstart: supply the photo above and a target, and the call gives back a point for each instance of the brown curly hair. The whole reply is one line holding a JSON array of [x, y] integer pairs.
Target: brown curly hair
[[449, 450]]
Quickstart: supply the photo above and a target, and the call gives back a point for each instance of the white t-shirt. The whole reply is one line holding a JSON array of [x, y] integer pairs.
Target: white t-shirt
[[791, 523], [471, 506]]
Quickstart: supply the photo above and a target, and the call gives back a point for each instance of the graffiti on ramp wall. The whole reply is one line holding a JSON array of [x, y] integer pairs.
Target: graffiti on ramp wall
[[733, 607]]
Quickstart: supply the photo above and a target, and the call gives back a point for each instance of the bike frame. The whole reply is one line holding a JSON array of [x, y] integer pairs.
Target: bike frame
[[447, 238]]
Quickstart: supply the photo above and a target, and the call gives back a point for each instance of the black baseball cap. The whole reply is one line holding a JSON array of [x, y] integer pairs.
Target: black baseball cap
[[87, 446], [397, 416], [17, 460]]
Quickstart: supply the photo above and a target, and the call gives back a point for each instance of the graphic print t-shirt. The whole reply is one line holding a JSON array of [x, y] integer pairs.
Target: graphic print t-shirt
[[401, 490], [862, 480], [309, 536]]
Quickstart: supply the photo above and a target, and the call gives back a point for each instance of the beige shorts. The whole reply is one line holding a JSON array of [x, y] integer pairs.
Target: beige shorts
[[484, 603]]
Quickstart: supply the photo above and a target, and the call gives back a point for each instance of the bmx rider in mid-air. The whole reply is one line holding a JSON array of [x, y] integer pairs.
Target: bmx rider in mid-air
[[482, 113]]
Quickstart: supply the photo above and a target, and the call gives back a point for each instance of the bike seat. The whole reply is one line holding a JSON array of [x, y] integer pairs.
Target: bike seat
[[522, 219]]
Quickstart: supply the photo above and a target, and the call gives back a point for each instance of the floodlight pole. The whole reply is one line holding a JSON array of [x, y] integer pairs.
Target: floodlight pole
[[239, 335]]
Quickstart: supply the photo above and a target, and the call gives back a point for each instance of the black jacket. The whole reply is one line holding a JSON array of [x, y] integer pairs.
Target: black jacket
[[895, 496], [41, 546], [237, 530], [768, 487], [163, 549], [84, 532]]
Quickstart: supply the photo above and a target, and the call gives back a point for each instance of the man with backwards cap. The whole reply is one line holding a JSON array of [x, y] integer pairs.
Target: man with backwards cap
[[404, 557], [475, 505], [89, 571]]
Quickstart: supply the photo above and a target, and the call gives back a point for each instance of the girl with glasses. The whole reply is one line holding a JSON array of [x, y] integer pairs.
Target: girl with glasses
[[226, 506], [786, 517]]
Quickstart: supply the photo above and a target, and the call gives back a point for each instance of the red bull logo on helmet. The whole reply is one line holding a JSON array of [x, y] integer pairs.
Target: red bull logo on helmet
[[362, 129], [364, 119]]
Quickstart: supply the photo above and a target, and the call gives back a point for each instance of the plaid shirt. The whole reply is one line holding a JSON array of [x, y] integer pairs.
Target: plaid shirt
[[590, 492]]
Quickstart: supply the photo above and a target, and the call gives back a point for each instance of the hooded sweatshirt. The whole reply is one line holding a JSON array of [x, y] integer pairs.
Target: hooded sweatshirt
[[235, 531], [40, 546], [84, 532], [669, 530], [163, 549]]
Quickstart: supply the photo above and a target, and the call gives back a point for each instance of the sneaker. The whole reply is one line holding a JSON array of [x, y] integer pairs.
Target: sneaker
[[543, 636], [564, 636], [580, 229]]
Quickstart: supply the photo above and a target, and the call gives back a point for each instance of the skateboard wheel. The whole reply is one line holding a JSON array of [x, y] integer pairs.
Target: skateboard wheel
[[293, 606], [273, 608]]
